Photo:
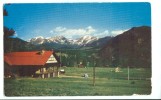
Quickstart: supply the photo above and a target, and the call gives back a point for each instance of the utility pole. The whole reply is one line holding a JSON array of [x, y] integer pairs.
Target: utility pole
[[94, 69], [128, 73], [60, 58], [94, 75], [59, 64]]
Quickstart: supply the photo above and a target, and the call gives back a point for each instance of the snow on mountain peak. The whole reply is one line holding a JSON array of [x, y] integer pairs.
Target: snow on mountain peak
[[87, 39], [62, 40], [39, 37], [37, 40]]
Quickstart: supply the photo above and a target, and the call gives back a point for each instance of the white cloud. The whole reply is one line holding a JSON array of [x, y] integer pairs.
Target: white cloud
[[90, 29], [117, 32], [102, 34], [109, 33], [73, 33], [60, 29]]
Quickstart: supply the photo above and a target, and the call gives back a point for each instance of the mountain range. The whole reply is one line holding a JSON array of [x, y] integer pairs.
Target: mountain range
[[131, 48], [62, 42]]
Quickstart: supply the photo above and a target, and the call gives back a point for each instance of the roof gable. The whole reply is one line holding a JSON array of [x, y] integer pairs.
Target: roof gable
[[27, 58], [52, 59]]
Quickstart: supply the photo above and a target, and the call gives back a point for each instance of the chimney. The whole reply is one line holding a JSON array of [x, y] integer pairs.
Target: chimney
[[52, 50], [41, 52]]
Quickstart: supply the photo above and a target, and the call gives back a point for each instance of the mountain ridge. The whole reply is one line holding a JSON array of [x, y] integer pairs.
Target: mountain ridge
[[62, 40], [131, 48]]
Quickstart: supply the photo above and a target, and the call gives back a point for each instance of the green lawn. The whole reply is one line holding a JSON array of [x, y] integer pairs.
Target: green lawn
[[108, 83]]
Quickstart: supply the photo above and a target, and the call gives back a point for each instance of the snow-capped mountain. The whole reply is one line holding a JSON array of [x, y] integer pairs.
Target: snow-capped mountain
[[62, 40], [37, 40], [86, 39], [57, 39], [41, 40]]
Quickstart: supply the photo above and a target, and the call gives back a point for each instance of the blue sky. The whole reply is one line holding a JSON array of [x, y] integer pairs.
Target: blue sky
[[74, 20]]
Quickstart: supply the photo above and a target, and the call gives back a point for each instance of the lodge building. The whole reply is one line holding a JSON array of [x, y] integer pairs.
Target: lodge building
[[34, 63]]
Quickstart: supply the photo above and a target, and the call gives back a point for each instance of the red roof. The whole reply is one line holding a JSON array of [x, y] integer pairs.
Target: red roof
[[27, 58]]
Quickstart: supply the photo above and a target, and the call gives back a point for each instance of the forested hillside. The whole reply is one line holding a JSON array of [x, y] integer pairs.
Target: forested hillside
[[132, 48]]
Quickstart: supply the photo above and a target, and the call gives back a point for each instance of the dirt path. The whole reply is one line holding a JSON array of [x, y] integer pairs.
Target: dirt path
[[71, 76]]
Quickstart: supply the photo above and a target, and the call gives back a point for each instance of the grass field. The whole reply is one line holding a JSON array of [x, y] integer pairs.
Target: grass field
[[108, 83]]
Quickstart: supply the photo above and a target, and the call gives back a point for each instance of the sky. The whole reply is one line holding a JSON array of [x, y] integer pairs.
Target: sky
[[74, 20]]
